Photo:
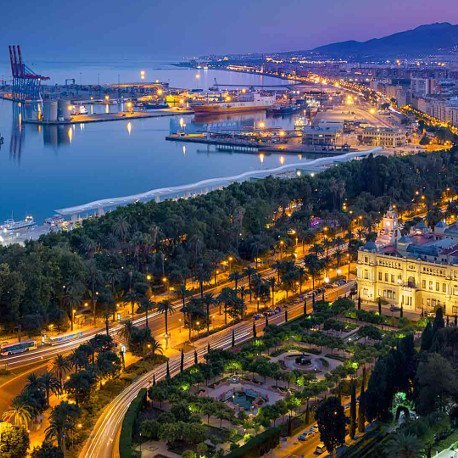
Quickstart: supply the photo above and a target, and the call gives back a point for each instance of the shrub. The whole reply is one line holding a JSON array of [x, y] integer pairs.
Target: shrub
[[125, 440]]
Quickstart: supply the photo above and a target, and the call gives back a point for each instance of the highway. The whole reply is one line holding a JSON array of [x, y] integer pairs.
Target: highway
[[102, 439]]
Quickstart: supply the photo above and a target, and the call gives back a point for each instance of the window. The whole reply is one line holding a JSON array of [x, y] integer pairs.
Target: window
[[444, 287], [392, 278], [437, 286], [423, 284], [366, 274], [386, 277], [380, 276]]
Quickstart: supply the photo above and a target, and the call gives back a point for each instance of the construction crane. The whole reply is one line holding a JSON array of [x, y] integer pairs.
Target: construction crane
[[26, 83]]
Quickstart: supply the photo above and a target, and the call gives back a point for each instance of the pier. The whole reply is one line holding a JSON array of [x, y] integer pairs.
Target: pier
[[106, 117], [247, 146]]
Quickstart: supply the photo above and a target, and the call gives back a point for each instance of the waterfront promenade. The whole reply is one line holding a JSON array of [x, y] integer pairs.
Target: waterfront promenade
[[205, 186]]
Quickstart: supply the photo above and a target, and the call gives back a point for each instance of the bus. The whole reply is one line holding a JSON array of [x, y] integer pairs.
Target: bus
[[66, 338], [18, 347]]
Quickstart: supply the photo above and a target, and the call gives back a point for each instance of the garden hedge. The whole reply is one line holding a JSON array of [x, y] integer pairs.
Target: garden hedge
[[125, 440]]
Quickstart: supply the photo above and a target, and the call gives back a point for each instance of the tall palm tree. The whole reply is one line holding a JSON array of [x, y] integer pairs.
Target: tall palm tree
[[62, 421], [235, 277], [147, 305], [183, 293], [165, 307], [313, 266], [19, 413], [249, 272], [50, 385], [73, 295], [61, 366], [208, 300]]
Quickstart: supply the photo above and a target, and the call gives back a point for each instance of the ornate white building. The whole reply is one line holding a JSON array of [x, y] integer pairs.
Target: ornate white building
[[418, 271]]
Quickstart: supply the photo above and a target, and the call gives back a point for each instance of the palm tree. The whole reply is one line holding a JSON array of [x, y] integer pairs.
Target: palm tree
[[147, 305], [208, 301], [317, 249], [94, 281], [313, 266], [235, 277], [33, 382], [73, 296], [49, 384], [183, 293], [249, 272], [127, 331], [121, 228], [19, 414], [61, 366], [155, 347], [62, 421], [404, 446], [338, 256], [167, 309]]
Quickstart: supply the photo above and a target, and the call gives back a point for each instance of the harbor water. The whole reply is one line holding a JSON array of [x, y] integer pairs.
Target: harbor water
[[44, 168]]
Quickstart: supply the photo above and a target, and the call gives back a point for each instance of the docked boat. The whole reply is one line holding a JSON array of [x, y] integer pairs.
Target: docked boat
[[279, 110], [235, 104], [80, 110], [10, 225]]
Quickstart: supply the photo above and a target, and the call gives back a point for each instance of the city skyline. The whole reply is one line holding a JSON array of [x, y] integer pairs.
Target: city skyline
[[185, 29]]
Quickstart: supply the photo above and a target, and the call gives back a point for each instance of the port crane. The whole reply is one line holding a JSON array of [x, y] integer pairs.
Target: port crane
[[26, 83]]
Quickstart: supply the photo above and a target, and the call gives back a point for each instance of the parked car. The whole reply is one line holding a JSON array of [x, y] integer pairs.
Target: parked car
[[320, 448], [394, 308], [257, 316]]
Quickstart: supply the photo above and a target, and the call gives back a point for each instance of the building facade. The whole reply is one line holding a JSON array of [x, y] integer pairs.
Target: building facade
[[418, 272]]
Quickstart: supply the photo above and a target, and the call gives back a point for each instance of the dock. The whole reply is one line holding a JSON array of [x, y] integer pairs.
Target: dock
[[107, 117], [247, 146]]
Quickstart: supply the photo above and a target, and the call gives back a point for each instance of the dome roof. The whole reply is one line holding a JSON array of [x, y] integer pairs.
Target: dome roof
[[370, 246]]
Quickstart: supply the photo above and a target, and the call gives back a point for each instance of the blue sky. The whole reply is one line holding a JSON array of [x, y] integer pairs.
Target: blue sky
[[142, 29]]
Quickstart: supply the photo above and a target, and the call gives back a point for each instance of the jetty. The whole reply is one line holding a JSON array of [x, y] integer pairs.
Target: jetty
[[226, 143], [107, 117]]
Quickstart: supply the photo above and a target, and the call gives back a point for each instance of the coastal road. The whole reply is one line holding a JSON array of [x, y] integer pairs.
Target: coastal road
[[100, 443]]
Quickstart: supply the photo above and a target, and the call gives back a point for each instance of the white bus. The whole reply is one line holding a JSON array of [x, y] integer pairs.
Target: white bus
[[18, 347]]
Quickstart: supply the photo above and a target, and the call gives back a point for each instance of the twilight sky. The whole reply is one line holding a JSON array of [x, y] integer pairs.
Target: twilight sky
[[140, 29]]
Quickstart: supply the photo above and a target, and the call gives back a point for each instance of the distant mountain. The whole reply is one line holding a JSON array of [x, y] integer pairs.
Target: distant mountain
[[438, 38]]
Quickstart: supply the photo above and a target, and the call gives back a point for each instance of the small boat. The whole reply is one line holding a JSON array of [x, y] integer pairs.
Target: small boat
[[10, 225]]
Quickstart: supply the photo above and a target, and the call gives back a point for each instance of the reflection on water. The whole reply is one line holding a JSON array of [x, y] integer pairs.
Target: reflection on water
[[51, 167]]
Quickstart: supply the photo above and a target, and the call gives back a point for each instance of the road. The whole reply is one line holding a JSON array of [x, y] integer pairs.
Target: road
[[100, 442], [47, 352]]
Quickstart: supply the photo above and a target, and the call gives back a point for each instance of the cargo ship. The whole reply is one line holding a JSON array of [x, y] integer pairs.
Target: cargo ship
[[246, 102]]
